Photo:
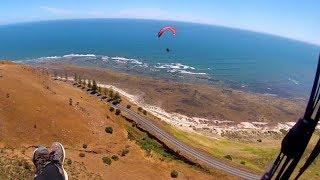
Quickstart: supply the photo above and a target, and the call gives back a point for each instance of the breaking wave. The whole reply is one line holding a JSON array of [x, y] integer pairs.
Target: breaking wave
[[119, 61], [294, 81]]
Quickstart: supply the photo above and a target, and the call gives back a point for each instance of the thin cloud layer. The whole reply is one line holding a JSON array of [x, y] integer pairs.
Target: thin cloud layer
[[57, 11]]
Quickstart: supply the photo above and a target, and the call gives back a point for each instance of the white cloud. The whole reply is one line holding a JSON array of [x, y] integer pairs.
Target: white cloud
[[96, 14], [155, 13], [57, 11], [145, 13]]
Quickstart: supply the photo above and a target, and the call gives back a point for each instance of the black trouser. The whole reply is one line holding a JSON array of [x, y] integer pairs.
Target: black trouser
[[50, 172]]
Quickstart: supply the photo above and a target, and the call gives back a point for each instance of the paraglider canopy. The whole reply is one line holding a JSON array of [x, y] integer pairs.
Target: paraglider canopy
[[167, 28]]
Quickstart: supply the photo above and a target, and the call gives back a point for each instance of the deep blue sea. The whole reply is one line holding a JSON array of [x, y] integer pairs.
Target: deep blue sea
[[235, 58]]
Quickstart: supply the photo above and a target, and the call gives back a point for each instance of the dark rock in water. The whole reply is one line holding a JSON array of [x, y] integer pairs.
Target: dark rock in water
[[226, 91]]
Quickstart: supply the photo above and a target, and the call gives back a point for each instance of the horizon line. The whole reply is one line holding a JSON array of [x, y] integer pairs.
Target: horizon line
[[181, 21]]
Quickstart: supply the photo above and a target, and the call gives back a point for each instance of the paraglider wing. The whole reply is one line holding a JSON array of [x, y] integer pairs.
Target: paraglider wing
[[167, 28]]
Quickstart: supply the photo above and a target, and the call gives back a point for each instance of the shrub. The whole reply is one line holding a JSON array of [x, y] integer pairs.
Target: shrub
[[69, 162], [104, 97], [118, 111], [144, 112], [84, 146], [174, 174], [26, 165], [105, 91], [109, 130], [243, 162], [131, 137], [115, 157], [111, 109], [259, 140], [111, 94], [82, 154], [128, 106], [283, 131], [89, 84], [70, 101], [107, 160], [229, 157], [94, 86], [116, 96], [124, 152], [140, 109], [115, 102]]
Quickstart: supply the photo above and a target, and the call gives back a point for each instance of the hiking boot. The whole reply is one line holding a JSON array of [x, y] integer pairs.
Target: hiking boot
[[57, 156], [41, 157], [57, 153]]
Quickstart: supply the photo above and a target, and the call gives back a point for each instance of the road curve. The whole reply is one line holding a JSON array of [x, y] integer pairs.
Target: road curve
[[179, 146], [185, 149]]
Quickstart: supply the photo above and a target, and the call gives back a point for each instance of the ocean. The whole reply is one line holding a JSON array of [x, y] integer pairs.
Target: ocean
[[238, 59]]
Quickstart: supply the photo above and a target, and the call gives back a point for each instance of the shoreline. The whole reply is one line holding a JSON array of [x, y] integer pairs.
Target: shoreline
[[177, 72], [190, 124], [146, 92]]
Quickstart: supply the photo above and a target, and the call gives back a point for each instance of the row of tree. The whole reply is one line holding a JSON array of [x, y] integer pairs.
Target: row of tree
[[95, 88]]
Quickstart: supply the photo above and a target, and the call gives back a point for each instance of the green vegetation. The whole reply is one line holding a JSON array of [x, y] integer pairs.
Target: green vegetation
[[15, 168], [116, 96], [109, 130], [69, 161], [147, 143], [115, 157], [94, 87], [111, 93], [124, 152], [228, 156], [115, 102], [105, 91], [75, 77], [144, 112], [257, 156], [254, 155], [118, 111], [106, 160], [83, 82], [79, 80], [174, 174]]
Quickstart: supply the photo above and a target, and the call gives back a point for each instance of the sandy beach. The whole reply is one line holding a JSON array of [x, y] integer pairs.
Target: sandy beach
[[256, 113]]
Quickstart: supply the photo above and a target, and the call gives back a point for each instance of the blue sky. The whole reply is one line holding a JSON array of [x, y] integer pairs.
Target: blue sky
[[295, 19]]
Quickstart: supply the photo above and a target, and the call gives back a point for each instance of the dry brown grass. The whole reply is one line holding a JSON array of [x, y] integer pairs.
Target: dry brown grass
[[37, 111]]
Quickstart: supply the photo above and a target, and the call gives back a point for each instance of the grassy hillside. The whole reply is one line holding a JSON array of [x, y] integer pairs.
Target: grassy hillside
[[35, 109]]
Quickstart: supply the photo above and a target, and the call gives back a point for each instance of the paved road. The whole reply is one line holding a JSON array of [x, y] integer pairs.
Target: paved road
[[183, 148]]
